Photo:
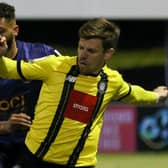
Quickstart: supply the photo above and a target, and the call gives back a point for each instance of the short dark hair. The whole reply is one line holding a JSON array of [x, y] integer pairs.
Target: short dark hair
[[7, 11], [103, 29]]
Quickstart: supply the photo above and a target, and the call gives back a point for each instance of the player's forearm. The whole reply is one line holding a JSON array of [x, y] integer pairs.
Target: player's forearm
[[36, 70], [138, 95], [8, 68]]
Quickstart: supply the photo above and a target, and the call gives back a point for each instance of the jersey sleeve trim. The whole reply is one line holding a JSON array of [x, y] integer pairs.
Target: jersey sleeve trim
[[19, 70], [57, 53], [129, 91]]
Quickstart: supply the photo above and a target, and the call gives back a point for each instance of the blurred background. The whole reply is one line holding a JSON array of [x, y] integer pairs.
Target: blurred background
[[132, 136]]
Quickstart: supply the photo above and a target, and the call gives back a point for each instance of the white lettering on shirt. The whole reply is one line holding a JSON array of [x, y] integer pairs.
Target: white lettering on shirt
[[80, 107]]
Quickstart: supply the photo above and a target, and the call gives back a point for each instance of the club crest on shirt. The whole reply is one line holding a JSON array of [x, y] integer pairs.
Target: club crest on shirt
[[102, 87]]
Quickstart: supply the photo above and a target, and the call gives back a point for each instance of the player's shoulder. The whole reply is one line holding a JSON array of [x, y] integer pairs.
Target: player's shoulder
[[34, 45], [113, 74], [62, 59], [65, 60], [33, 50]]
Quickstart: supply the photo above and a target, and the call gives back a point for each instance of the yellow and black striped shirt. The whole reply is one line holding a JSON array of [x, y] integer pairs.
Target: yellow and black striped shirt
[[80, 102]]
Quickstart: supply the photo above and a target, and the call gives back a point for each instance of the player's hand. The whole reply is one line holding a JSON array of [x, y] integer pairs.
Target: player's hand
[[3, 45], [162, 92], [18, 121]]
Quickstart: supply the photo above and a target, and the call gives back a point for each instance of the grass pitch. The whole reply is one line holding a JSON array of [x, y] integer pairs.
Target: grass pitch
[[136, 160]]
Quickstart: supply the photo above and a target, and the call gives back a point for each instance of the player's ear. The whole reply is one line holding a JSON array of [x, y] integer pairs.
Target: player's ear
[[108, 53], [16, 30]]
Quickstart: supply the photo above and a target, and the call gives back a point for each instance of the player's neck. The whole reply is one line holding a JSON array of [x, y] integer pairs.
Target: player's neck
[[12, 52]]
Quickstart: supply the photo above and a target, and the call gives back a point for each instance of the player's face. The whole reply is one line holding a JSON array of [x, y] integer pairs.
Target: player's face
[[91, 56], [8, 30]]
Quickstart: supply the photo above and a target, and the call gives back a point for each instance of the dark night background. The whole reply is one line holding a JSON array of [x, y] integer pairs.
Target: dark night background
[[135, 34]]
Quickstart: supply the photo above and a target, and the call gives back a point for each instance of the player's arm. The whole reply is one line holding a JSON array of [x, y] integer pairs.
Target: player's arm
[[135, 94], [36, 70], [138, 95]]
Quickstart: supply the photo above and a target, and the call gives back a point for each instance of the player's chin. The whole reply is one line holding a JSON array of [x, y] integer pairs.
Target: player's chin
[[82, 66], [83, 70]]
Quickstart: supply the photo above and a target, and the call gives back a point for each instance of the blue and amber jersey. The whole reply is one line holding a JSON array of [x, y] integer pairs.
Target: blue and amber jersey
[[20, 96], [66, 104]]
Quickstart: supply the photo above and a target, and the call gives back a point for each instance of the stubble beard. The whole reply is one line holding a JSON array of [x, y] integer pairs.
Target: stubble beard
[[5, 51]]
